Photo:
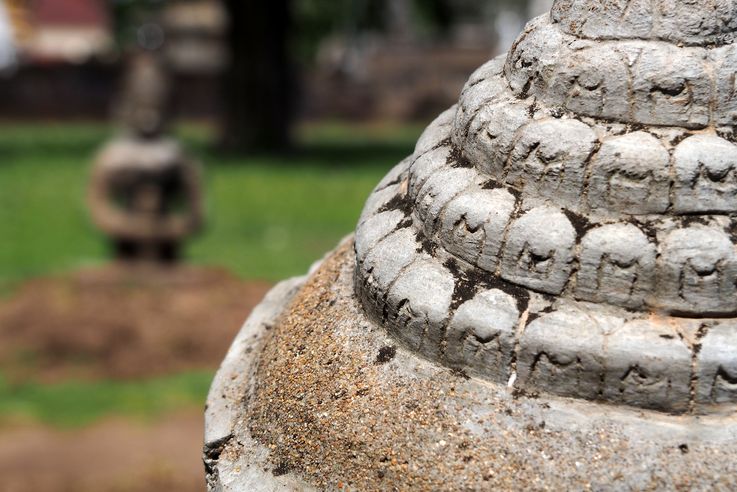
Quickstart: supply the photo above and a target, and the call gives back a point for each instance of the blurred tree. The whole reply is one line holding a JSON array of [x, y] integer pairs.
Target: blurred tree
[[129, 15], [259, 84], [264, 43]]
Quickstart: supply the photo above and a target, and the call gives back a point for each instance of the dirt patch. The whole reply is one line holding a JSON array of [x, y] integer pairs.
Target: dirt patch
[[112, 456], [123, 322]]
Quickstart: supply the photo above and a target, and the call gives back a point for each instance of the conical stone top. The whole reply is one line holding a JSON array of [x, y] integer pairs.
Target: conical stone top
[[569, 226]]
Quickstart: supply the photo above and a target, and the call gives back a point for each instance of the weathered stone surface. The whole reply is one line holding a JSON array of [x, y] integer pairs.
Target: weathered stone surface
[[439, 190], [481, 336], [630, 174], [693, 22], [556, 355], [492, 134], [321, 400], [649, 366], [473, 225], [717, 365], [541, 262], [705, 175], [376, 228], [419, 305], [436, 132], [644, 82], [549, 159], [616, 266], [697, 272], [425, 166]]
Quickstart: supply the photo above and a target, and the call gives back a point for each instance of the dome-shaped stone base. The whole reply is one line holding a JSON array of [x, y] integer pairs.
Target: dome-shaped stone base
[[315, 395]]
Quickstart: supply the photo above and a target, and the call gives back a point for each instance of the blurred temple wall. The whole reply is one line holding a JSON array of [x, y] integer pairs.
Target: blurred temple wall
[[70, 60]]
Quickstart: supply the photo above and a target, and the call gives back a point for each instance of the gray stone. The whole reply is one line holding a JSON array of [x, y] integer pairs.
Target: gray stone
[[374, 229], [646, 82], [436, 132], [487, 86], [689, 22], [379, 199], [705, 176], [473, 226], [395, 175], [554, 263], [717, 365], [617, 266], [591, 81], [438, 190], [492, 68], [481, 336], [389, 257], [492, 134], [541, 262], [669, 86], [630, 174], [649, 366], [556, 356], [419, 305], [697, 272], [725, 106], [549, 159], [425, 166]]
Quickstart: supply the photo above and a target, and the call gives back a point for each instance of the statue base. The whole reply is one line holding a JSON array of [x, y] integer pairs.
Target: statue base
[[315, 395]]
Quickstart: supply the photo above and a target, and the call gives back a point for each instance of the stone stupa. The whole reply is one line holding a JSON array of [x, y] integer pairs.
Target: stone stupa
[[543, 296]]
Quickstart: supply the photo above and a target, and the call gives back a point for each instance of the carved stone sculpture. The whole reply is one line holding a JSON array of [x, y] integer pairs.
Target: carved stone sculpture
[[543, 296], [145, 192]]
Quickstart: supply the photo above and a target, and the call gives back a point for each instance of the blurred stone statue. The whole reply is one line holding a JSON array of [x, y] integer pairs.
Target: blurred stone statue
[[145, 193], [144, 107]]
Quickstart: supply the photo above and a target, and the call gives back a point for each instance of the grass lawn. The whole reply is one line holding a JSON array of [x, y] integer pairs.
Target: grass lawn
[[269, 216], [76, 404]]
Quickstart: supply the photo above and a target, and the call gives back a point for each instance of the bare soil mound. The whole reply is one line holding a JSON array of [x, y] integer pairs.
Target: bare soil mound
[[123, 321]]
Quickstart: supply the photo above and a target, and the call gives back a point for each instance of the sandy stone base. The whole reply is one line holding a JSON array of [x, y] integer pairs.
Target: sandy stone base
[[315, 395]]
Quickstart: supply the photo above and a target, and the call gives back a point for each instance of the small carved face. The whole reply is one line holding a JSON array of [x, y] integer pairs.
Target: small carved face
[[670, 88], [592, 82], [549, 159], [698, 271], [705, 175], [539, 252], [630, 174], [616, 266]]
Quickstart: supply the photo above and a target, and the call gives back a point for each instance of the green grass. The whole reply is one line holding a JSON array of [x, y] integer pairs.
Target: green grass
[[77, 404], [269, 216]]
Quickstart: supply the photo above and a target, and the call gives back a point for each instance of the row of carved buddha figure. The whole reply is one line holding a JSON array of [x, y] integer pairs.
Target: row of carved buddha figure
[[681, 267], [570, 351], [558, 346], [634, 173], [646, 82]]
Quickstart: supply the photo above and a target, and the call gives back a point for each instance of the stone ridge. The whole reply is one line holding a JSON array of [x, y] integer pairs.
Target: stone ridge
[[598, 169], [685, 265], [441, 308], [689, 22], [571, 225], [632, 81]]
